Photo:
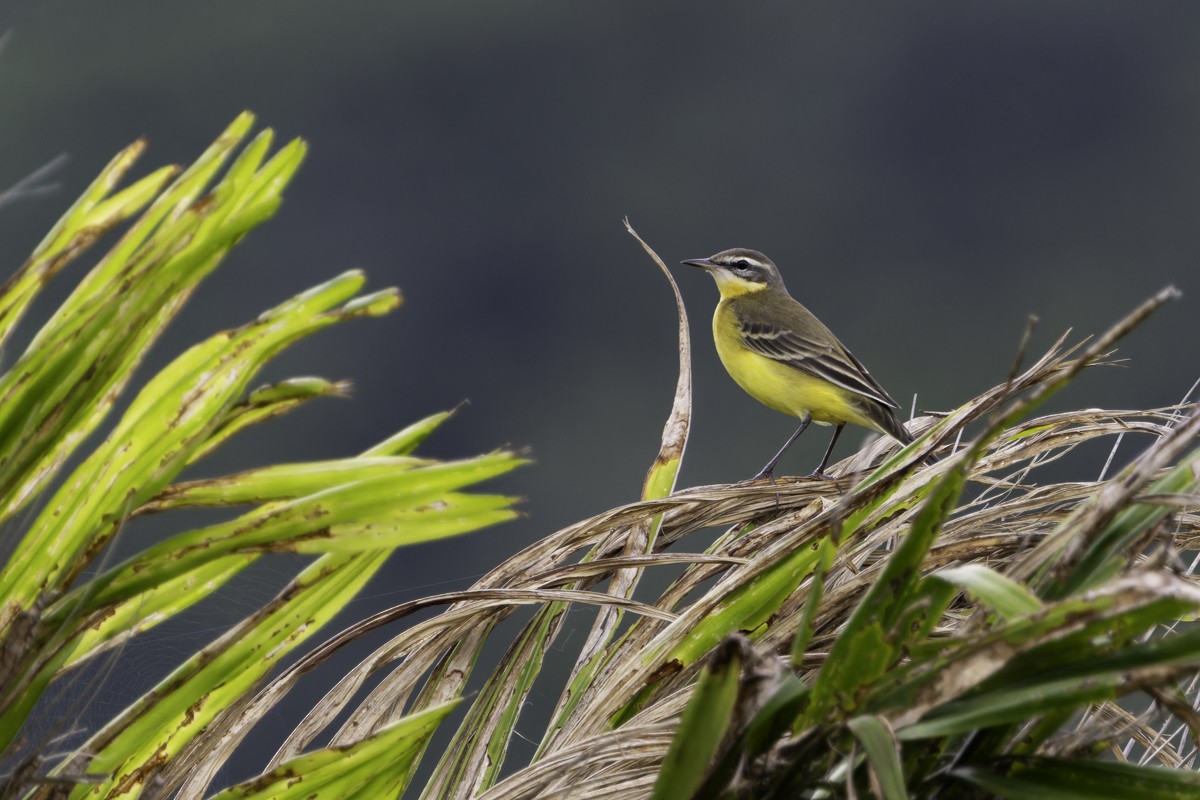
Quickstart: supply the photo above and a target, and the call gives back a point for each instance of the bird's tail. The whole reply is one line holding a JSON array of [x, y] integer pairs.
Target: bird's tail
[[890, 424]]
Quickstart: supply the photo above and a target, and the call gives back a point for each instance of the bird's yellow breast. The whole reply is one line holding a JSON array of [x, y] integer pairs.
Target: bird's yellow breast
[[778, 386]]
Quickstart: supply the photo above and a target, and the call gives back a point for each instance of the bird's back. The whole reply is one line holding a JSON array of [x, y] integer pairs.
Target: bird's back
[[783, 356]]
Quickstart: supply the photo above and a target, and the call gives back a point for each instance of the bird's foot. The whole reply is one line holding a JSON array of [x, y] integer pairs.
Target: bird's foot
[[821, 476], [770, 476]]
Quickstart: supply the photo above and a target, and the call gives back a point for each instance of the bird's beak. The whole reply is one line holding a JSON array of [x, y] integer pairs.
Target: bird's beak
[[702, 263]]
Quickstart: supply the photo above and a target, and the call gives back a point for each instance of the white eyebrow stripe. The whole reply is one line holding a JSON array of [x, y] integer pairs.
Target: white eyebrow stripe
[[751, 261]]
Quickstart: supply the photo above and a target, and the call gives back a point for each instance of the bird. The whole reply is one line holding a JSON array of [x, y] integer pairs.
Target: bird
[[786, 359]]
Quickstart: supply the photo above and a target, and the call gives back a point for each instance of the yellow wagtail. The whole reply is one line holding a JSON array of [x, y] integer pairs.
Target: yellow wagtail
[[785, 358]]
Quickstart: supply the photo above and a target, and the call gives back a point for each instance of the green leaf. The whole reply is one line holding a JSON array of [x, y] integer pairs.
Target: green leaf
[[703, 725], [883, 754], [280, 482], [264, 403], [87, 220], [54, 614], [826, 554], [168, 420], [409, 439], [1060, 641], [159, 724], [1009, 598], [867, 647], [745, 608], [1005, 706], [1108, 551], [66, 380], [1095, 633], [372, 767], [1077, 779], [402, 507], [147, 609], [142, 612]]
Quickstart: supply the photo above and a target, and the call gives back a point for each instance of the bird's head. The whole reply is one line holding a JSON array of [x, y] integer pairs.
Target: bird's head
[[740, 271]]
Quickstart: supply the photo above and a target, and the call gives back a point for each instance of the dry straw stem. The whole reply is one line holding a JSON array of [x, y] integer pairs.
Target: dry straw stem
[[1009, 522]]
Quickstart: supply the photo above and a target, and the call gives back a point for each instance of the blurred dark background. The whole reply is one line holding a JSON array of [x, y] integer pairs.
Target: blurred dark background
[[926, 175]]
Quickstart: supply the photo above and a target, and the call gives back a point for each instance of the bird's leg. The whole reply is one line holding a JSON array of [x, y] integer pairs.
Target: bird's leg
[[769, 470], [819, 472]]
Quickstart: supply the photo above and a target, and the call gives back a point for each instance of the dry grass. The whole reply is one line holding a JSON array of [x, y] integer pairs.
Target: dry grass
[[1012, 521]]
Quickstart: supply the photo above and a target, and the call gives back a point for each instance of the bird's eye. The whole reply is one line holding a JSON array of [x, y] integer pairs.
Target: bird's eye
[[741, 264]]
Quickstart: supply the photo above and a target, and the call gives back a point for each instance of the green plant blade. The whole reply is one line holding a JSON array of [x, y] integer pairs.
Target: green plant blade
[[703, 726], [1051, 644], [141, 613], [1107, 552], [264, 403], [407, 440], [864, 651], [56, 612], [1071, 779], [1002, 707], [67, 379], [280, 482], [826, 553], [745, 608], [883, 754], [1007, 597], [162, 722], [370, 768], [85, 222], [405, 506], [166, 422]]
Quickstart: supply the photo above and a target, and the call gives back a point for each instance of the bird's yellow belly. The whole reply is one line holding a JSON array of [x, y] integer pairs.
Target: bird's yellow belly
[[783, 388]]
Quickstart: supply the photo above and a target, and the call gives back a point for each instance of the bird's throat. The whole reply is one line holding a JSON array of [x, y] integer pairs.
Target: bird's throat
[[731, 286]]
